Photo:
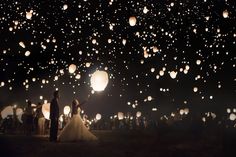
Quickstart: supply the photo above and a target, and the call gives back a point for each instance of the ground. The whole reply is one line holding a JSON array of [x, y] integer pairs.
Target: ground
[[121, 144]]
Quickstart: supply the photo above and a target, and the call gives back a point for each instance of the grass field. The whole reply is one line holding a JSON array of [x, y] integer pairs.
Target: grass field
[[123, 144]]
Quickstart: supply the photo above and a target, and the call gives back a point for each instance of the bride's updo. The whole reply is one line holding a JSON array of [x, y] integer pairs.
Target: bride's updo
[[75, 102]]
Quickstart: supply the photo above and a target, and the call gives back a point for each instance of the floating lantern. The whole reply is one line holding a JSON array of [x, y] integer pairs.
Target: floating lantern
[[29, 14], [173, 74], [99, 80], [46, 110], [120, 115], [98, 116], [66, 110], [72, 68], [195, 89], [132, 21], [225, 14], [232, 117], [138, 114], [181, 112]]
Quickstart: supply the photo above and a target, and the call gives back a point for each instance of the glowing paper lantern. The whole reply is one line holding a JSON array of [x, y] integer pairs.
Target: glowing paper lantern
[[232, 117], [7, 111], [195, 89], [198, 62], [138, 114], [132, 21], [66, 110], [186, 111], [65, 6], [98, 116], [29, 14], [72, 68], [124, 42], [120, 115], [173, 74], [78, 76], [225, 14], [149, 98], [161, 72], [19, 113], [154, 109], [181, 112], [22, 44], [27, 53], [145, 10], [99, 80], [46, 110], [228, 110]]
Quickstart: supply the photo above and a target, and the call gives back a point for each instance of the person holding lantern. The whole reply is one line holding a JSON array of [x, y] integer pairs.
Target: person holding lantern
[[54, 117]]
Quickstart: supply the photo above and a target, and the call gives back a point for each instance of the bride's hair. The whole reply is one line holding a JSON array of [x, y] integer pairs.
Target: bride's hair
[[75, 101]]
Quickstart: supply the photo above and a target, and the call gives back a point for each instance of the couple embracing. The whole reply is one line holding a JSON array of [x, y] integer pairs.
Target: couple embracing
[[75, 130]]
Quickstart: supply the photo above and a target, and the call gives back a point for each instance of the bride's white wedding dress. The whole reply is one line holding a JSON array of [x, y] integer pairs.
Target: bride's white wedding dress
[[75, 130]]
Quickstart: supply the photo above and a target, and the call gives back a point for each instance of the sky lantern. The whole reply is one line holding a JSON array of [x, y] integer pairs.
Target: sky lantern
[[232, 117], [66, 110], [138, 114], [27, 53], [181, 112], [72, 68], [22, 44], [173, 74], [120, 115], [225, 14], [65, 7], [132, 21], [78, 76], [195, 89], [29, 14], [98, 116], [7, 111], [46, 110], [186, 111], [99, 80]]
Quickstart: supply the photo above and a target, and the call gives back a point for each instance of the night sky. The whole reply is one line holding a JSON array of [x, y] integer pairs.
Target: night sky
[[179, 53]]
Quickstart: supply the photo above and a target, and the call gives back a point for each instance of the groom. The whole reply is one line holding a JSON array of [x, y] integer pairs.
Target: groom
[[54, 116]]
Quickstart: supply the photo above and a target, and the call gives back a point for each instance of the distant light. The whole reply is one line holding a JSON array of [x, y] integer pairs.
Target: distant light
[[138, 114], [22, 44], [154, 109], [66, 110], [65, 7], [173, 74], [29, 14], [98, 116], [232, 117], [120, 115], [225, 14], [72, 68], [132, 21], [195, 89], [27, 53]]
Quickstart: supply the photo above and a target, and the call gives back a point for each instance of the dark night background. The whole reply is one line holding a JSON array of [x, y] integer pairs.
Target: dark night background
[[184, 31]]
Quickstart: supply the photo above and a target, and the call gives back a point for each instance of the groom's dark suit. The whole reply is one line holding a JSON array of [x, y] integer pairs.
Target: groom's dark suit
[[54, 116]]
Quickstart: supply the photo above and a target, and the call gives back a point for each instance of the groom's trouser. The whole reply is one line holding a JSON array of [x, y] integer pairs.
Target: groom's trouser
[[53, 129]]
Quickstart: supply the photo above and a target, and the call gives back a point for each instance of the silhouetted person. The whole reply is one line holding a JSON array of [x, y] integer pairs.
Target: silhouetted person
[[54, 116], [41, 120], [29, 118]]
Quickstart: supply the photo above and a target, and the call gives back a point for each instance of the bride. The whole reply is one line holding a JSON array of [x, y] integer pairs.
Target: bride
[[75, 129]]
